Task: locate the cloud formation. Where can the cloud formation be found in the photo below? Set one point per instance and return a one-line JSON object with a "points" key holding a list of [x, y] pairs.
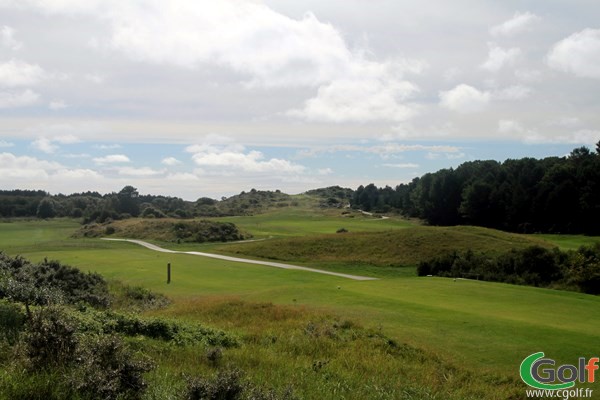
{"points": [[7, 38], [519, 23], [223, 155], [19, 73], [265, 48], [15, 99], [499, 58], [578, 54], [112, 159], [170, 161], [464, 99]]}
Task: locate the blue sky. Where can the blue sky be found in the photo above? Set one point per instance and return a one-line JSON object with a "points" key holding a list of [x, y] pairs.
{"points": [[209, 98]]}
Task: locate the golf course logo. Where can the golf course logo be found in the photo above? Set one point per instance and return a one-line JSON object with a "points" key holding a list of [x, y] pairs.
{"points": [[540, 373]]}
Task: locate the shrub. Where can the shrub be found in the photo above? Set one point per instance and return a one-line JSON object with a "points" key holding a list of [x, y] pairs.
{"points": [[226, 385], [12, 321], [144, 299], [50, 339], [108, 369]]}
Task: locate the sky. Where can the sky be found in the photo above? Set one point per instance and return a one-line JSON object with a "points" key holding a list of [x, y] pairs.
{"points": [[195, 98]]}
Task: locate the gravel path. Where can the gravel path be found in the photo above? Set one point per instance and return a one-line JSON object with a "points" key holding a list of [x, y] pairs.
{"points": [[243, 260]]}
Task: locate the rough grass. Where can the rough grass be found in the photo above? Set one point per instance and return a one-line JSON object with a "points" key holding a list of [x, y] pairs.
{"points": [[322, 356], [393, 248]]}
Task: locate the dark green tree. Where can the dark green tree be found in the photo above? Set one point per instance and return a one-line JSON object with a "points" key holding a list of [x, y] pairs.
{"points": [[128, 201], [46, 209]]}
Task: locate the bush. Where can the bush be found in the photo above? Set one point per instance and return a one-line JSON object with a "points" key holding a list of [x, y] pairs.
{"points": [[12, 322], [50, 282], [144, 299], [107, 369], [50, 340], [226, 385]]}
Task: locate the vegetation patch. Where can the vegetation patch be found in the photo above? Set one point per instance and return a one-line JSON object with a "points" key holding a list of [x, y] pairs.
{"points": [[166, 230]]}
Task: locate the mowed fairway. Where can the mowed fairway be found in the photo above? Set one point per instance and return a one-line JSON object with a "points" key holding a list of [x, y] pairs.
{"points": [[480, 326]]}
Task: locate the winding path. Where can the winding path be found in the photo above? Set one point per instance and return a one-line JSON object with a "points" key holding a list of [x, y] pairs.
{"points": [[243, 260]]}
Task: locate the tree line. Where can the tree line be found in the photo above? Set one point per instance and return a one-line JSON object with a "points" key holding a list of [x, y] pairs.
{"points": [[91, 206], [128, 202], [535, 266], [550, 195]]}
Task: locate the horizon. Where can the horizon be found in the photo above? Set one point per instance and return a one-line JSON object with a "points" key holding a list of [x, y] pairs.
{"points": [[206, 99], [245, 190]]}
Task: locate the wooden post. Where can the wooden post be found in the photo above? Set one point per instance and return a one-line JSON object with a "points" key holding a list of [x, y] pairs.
{"points": [[168, 272]]}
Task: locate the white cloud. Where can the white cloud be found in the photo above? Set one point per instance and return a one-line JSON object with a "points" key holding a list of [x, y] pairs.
{"points": [[464, 99], [361, 99], [77, 174], [48, 145], [582, 136], [324, 171], [499, 58], [519, 23], [112, 159], [18, 99], [403, 166], [511, 126], [578, 54], [170, 161], [19, 73], [4, 143], [515, 92], [137, 171], [223, 155], [26, 172], [12, 166], [45, 145], [107, 146], [448, 156], [57, 105], [80, 155], [386, 150], [7, 38], [66, 139], [252, 161]]}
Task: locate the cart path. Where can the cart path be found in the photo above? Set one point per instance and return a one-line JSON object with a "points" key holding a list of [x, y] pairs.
{"points": [[244, 260]]}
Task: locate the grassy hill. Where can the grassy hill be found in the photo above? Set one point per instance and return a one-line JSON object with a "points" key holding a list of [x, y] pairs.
{"points": [[391, 248]]}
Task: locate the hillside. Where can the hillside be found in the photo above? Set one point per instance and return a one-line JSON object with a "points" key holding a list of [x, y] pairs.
{"points": [[397, 248]]}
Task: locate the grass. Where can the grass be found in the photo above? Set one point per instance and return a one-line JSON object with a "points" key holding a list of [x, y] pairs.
{"points": [[568, 242], [305, 221], [455, 339]]}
